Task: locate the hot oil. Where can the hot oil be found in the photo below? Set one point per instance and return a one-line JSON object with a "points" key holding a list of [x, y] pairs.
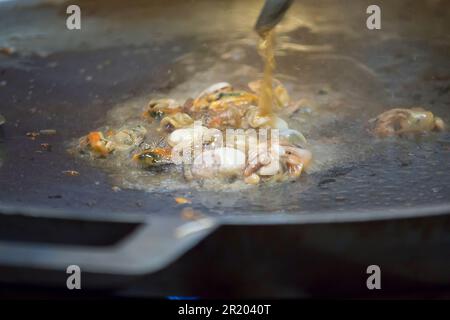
{"points": [[266, 48]]}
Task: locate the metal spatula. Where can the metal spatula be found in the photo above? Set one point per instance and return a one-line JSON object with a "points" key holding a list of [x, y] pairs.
{"points": [[272, 12]]}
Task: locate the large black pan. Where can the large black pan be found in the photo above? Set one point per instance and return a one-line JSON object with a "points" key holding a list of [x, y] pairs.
{"points": [[389, 205]]}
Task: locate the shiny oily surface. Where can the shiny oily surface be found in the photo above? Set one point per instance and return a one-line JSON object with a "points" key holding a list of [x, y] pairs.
{"points": [[343, 73]]}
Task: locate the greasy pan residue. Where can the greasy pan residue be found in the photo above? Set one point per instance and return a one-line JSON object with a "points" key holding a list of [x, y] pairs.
{"points": [[338, 74]]}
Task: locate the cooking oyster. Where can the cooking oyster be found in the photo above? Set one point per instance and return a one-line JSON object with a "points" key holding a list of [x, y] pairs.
{"points": [[400, 121]]}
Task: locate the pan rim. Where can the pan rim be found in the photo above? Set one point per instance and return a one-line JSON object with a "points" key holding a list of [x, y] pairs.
{"points": [[241, 217]]}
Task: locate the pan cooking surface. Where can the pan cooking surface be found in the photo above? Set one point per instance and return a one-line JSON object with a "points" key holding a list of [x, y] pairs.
{"points": [[347, 73]]}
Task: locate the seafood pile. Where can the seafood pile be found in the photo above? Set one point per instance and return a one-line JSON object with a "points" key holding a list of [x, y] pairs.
{"points": [[222, 134], [219, 134]]}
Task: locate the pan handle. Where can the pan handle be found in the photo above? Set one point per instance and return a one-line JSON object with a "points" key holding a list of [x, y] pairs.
{"points": [[150, 247]]}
